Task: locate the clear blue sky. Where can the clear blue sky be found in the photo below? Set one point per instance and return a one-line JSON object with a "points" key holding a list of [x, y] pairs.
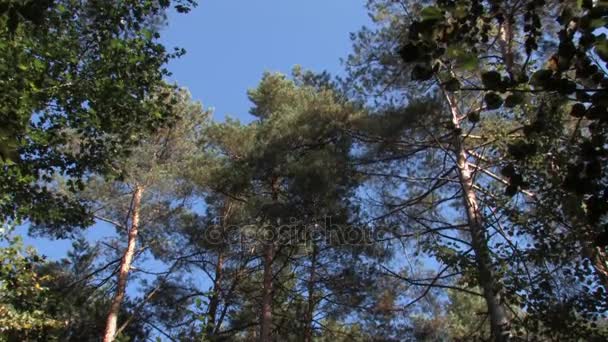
{"points": [[230, 43]]}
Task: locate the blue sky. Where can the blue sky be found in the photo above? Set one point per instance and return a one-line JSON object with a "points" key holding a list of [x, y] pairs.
{"points": [[231, 43]]}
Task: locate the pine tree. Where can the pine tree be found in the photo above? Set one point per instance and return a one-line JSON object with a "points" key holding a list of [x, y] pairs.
{"points": [[288, 168]]}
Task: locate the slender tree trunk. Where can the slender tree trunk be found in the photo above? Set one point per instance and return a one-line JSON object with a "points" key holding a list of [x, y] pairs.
{"points": [[212, 322], [266, 317], [506, 43], [499, 322], [125, 265], [310, 309], [227, 302], [265, 330], [215, 297]]}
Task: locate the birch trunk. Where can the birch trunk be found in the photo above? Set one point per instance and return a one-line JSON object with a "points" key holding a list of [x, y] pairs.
{"points": [[125, 266], [499, 322]]}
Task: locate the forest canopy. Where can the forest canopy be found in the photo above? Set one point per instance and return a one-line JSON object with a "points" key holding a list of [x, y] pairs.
{"points": [[449, 183]]}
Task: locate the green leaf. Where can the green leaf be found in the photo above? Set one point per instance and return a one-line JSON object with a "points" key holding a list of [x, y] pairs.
{"points": [[9, 150], [541, 78], [601, 47], [565, 17], [513, 100], [38, 65], [599, 22], [493, 101], [461, 11], [148, 34], [467, 60], [474, 116], [431, 13], [584, 4], [452, 84], [409, 53], [491, 80], [565, 86], [422, 73]]}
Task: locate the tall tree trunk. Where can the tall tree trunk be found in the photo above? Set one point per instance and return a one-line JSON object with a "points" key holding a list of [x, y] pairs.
{"points": [[125, 265], [227, 302], [210, 329], [266, 317], [212, 322], [499, 322], [265, 329], [310, 309], [506, 43]]}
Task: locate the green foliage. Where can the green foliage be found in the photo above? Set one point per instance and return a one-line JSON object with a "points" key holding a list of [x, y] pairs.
{"points": [[298, 139], [24, 300], [53, 301], [75, 93], [462, 319]]}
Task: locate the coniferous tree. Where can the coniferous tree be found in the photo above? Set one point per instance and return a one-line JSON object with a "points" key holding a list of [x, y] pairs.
{"points": [[288, 169]]}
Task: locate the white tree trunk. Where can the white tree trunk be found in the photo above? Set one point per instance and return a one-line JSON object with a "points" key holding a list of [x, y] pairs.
{"points": [[125, 265], [499, 322]]}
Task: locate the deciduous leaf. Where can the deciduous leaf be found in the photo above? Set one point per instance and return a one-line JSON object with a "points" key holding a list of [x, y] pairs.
{"points": [[431, 13], [493, 101]]}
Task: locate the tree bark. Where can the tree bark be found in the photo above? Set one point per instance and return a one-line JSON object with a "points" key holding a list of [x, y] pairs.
{"points": [[267, 287], [215, 297], [212, 322], [125, 266], [310, 309], [499, 322], [506, 43], [265, 330], [227, 302]]}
